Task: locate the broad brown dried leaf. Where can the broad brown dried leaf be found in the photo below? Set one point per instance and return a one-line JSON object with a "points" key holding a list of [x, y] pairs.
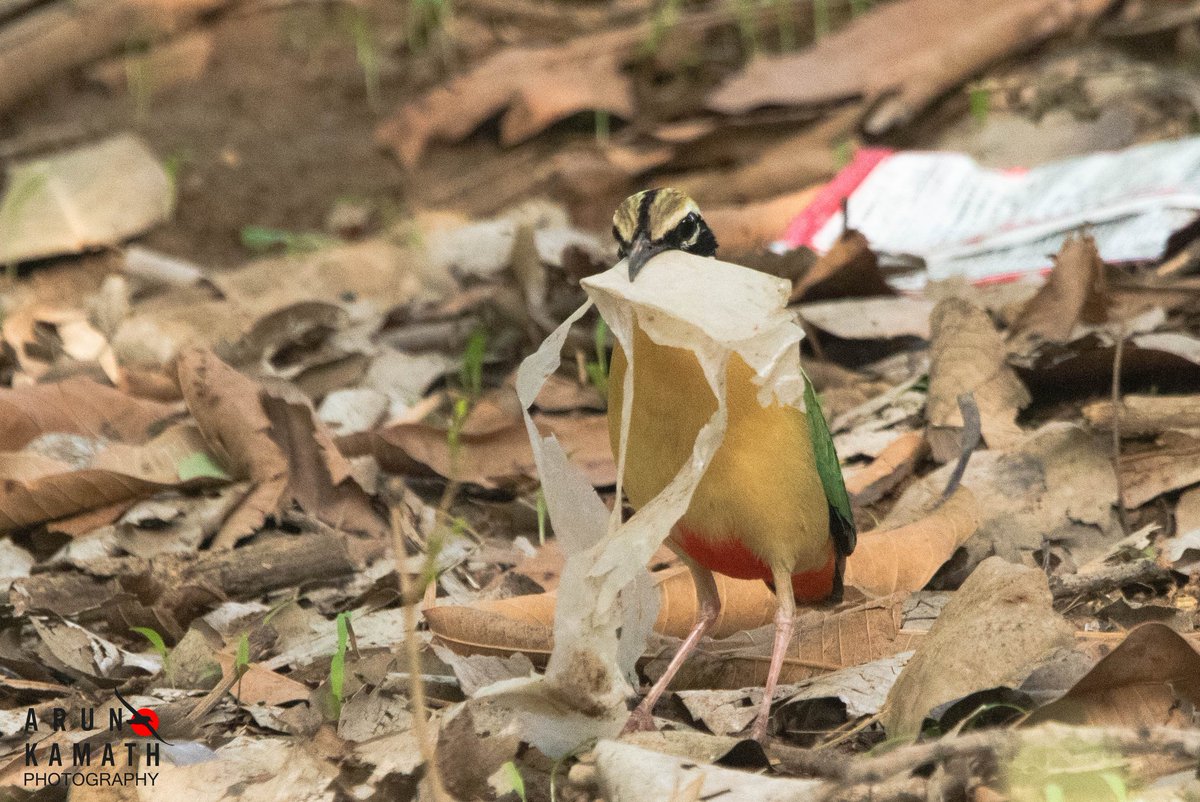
{"points": [[903, 55], [1075, 292], [227, 409], [850, 269], [992, 632], [825, 641], [76, 406], [1151, 679], [532, 87], [905, 559], [967, 355], [496, 455], [39, 488]]}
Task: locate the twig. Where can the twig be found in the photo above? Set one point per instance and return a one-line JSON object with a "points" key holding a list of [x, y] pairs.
{"points": [[1116, 429], [416, 681], [1146, 572], [1001, 745], [972, 434]]}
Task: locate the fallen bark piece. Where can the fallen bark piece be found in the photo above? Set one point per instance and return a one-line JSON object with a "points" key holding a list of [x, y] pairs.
{"points": [[1173, 463], [1146, 414], [903, 55], [991, 633], [91, 197]]}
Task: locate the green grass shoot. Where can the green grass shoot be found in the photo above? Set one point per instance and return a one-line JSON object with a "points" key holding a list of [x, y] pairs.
{"points": [[860, 7], [843, 152], [366, 51], [822, 21], [980, 100], [159, 645], [541, 517], [337, 666], [470, 373], [598, 371], [260, 239], [747, 26], [515, 780], [603, 126], [666, 15]]}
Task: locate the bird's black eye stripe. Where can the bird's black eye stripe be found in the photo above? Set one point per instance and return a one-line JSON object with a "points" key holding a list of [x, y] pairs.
{"points": [[622, 245]]}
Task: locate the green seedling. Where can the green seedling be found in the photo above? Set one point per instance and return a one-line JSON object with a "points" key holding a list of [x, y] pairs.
{"points": [[337, 666], [822, 21], [159, 645], [261, 239], [747, 24], [860, 7], [786, 24], [200, 465], [429, 22], [980, 100], [598, 371], [139, 78], [241, 662], [666, 15], [470, 373], [515, 780], [603, 126], [366, 51], [843, 153]]}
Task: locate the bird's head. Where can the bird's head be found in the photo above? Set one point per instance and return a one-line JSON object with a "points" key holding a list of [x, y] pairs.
{"points": [[658, 220]]}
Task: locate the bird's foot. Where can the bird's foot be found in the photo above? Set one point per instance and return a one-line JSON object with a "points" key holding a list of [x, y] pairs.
{"points": [[759, 731], [639, 721]]}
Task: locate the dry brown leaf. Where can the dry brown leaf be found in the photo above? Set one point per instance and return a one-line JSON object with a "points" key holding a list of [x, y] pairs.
{"points": [[849, 269], [1151, 679], [992, 632], [39, 488], [906, 558], [754, 226], [878, 318], [825, 641], [227, 409], [1174, 462], [907, 53], [496, 455], [532, 87], [320, 479], [1060, 480], [1075, 292], [893, 465], [1147, 414], [967, 355], [259, 685], [76, 406], [526, 623]]}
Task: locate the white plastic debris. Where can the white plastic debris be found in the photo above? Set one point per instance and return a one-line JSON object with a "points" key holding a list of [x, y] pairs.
{"points": [[606, 604], [987, 225]]}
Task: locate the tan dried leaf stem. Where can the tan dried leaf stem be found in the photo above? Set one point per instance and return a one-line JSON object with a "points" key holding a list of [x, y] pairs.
{"points": [[1118, 352], [416, 682]]}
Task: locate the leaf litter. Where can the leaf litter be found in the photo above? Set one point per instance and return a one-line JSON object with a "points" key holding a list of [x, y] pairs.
{"points": [[203, 467]]}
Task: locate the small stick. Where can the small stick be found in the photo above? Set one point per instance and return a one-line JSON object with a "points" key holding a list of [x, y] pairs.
{"points": [[1110, 578], [1116, 429]]}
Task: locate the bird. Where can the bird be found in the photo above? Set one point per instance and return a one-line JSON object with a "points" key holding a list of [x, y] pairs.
{"points": [[772, 503]]}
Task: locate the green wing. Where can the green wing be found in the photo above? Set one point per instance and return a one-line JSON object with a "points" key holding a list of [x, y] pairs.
{"points": [[841, 519]]}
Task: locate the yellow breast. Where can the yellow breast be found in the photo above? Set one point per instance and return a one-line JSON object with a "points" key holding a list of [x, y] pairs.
{"points": [[762, 486]]}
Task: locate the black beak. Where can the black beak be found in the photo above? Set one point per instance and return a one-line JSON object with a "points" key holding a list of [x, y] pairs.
{"points": [[643, 251]]}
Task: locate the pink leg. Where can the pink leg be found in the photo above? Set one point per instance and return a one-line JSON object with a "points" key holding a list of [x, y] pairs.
{"points": [[642, 718], [785, 618]]}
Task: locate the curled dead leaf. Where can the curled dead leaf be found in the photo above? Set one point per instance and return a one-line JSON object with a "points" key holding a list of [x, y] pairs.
{"points": [[906, 558]]}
